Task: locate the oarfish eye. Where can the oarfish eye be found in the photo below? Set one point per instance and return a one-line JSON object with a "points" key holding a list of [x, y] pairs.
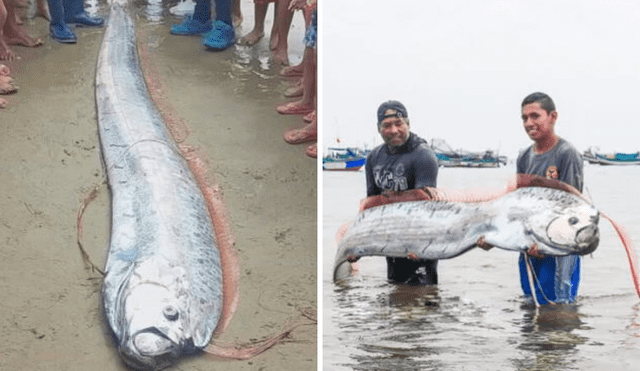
{"points": [[170, 313], [573, 220]]}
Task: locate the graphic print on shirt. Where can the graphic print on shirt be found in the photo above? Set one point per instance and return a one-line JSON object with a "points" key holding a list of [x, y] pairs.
{"points": [[391, 179], [552, 172]]}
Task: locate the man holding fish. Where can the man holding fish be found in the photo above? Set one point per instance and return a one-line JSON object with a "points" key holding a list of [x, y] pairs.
{"points": [[556, 278], [403, 162], [559, 276]]}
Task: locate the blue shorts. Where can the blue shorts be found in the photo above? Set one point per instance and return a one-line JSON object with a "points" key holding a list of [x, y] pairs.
{"points": [[311, 37], [559, 278]]}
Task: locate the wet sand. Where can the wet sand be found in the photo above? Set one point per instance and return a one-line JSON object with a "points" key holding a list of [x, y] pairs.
{"points": [[51, 308]]}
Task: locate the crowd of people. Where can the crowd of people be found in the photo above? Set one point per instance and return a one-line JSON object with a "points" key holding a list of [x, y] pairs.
{"points": [[305, 83], [217, 33]]}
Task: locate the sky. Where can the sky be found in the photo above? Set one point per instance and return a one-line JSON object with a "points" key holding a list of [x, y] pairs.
{"points": [[462, 68]]}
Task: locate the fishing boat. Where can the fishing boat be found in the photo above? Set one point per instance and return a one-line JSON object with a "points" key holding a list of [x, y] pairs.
{"points": [[615, 158], [447, 157], [344, 159]]}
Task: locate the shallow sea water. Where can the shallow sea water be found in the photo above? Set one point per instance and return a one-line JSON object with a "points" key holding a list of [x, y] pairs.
{"points": [[475, 319]]}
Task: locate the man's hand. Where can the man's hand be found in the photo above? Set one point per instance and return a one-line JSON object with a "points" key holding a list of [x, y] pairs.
{"points": [[483, 244], [533, 251]]}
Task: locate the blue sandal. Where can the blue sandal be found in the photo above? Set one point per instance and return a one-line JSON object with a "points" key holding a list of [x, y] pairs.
{"points": [[191, 26], [62, 33], [220, 38]]}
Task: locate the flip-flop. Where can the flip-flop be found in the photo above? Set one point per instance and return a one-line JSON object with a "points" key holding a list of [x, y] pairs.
{"points": [[310, 116], [312, 151], [291, 71], [297, 136], [4, 70], [293, 108], [295, 91]]}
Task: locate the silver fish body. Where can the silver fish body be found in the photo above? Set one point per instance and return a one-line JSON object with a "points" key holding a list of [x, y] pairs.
{"points": [[560, 223], [162, 288]]}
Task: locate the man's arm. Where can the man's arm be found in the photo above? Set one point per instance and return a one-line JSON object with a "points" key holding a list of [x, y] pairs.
{"points": [[426, 168], [371, 182], [572, 172]]}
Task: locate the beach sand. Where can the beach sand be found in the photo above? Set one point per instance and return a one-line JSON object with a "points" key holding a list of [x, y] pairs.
{"points": [[51, 308]]}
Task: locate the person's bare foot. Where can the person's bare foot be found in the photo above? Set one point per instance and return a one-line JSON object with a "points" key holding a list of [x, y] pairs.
{"points": [[25, 40], [252, 37], [294, 108], [3, 103], [281, 56], [311, 117], [15, 35], [7, 86], [312, 151], [43, 9], [6, 54], [295, 91], [4, 70], [307, 133], [292, 71]]}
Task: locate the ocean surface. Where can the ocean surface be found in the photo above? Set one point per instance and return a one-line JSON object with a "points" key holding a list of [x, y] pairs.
{"points": [[475, 319]]}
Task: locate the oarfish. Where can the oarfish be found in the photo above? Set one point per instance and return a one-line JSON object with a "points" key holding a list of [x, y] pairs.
{"points": [[162, 288], [559, 222]]}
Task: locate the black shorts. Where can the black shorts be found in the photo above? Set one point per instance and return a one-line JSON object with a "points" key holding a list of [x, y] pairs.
{"points": [[412, 272]]}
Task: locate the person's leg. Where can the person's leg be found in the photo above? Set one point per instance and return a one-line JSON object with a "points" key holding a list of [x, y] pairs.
{"points": [[400, 270], [202, 11], [280, 32], [412, 272], [14, 34], [42, 9], [309, 79], [5, 51], [58, 28], [74, 13], [222, 35], [428, 273], [237, 13], [307, 103], [258, 26]]}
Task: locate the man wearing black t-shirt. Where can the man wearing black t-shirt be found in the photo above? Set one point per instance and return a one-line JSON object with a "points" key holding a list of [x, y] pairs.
{"points": [[403, 162]]}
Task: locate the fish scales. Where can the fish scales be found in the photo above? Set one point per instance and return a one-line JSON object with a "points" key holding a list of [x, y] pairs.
{"points": [[559, 222], [163, 276]]}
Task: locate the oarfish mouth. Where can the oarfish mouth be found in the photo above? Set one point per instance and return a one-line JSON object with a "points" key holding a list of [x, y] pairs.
{"points": [[588, 239], [149, 349]]}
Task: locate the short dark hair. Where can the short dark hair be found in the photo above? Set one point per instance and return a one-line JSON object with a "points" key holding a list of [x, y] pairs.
{"points": [[545, 101]]}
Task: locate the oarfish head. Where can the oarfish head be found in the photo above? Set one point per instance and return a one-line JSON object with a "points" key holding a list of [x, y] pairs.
{"points": [[155, 329], [567, 230]]}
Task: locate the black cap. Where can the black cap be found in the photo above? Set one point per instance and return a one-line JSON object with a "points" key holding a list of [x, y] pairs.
{"points": [[401, 110]]}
